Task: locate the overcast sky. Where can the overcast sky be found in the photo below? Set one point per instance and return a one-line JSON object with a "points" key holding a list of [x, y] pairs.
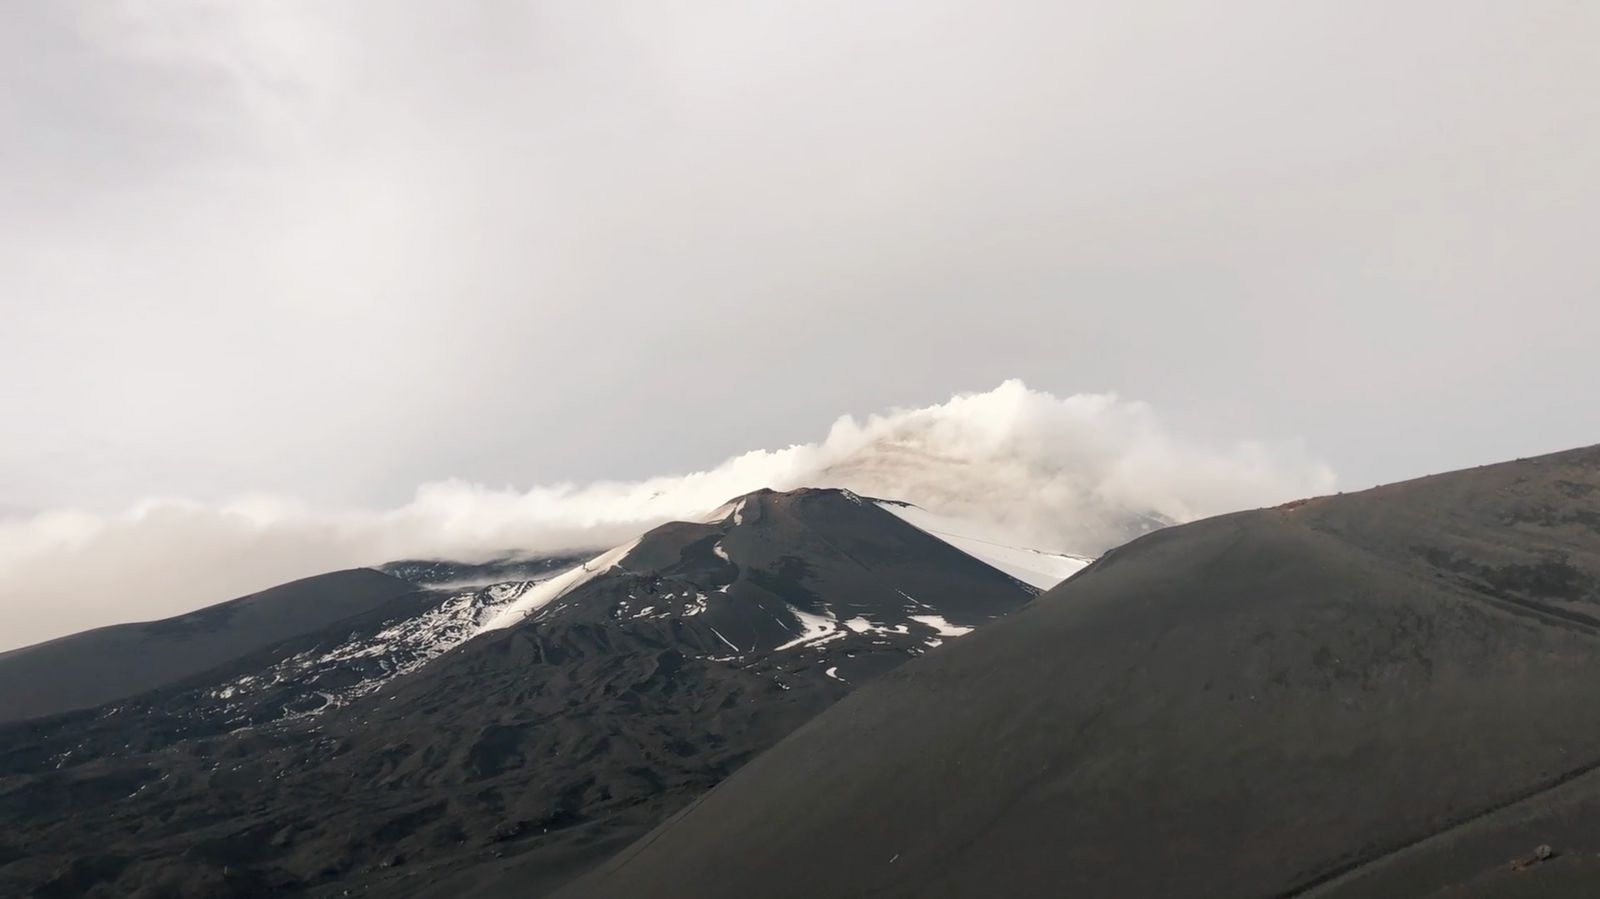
{"points": [[332, 251]]}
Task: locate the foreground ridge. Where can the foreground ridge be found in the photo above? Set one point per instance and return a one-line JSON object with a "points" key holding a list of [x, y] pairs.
{"points": [[1368, 694]]}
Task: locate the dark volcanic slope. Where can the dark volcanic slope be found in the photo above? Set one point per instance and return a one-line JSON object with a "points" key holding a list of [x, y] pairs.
{"points": [[808, 571], [506, 762], [108, 663], [1393, 693]]}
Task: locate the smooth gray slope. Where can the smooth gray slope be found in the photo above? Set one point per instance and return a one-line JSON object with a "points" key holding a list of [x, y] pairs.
{"points": [[1390, 693], [110, 663]]}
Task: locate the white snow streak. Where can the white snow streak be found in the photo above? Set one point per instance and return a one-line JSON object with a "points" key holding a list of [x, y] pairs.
{"points": [[395, 651], [547, 592], [725, 640]]}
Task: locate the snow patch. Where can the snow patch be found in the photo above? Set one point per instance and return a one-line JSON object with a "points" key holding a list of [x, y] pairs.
{"points": [[553, 589], [861, 625], [818, 629], [1034, 567], [943, 627], [397, 650]]}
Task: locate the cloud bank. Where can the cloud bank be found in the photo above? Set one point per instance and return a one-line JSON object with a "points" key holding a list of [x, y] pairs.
{"points": [[1075, 474]]}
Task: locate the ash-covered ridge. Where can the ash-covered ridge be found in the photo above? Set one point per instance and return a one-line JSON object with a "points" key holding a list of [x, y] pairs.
{"points": [[819, 571], [810, 570], [493, 739], [1374, 694]]}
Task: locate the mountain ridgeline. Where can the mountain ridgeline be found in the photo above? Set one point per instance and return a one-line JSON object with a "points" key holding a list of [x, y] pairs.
{"points": [[1390, 693], [1387, 693], [94, 667], [486, 740]]}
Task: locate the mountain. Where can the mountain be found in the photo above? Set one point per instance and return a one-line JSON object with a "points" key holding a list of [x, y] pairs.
{"points": [[1389, 693], [94, 667], [491, 740]]}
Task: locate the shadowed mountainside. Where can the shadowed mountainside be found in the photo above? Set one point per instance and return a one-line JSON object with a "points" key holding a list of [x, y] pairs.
{"points": [[1384, 693], [492, 742], [109, 663]]}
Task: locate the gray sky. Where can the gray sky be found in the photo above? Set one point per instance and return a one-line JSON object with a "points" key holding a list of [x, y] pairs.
{"points": [[335, 250]]}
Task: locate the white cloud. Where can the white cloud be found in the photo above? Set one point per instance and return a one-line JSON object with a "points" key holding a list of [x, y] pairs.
{"points": [[1077, 474]]}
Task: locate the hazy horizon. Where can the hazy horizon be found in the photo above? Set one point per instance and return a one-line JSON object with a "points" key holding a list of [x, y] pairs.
{"points": [[1075, 474], [291, 285]]}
